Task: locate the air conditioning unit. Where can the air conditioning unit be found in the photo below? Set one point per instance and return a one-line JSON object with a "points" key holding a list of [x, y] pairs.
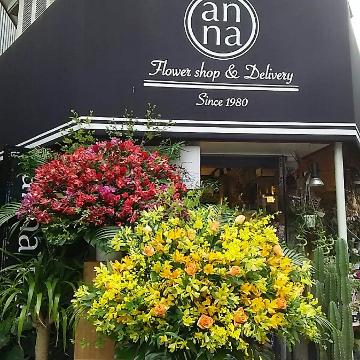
{"points": [[29, 11]]}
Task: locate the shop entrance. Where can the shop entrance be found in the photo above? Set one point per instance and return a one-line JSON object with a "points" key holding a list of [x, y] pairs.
{"points": [[247, 182]]}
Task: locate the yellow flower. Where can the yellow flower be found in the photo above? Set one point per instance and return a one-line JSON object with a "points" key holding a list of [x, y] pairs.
{"points": [[191, 234], [208, 269], [277, 250], [258, 304], [229, 285], [175, 274], [246, 288], [276, 320], [166, 271], [198, 223]]}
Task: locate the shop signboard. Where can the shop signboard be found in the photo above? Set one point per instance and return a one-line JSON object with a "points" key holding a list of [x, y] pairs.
{"points": [[23, 239], [270, 68]]}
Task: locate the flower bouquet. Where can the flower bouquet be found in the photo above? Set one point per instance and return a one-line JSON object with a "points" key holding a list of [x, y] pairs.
{"points": [[105, 184], [200, 285]]}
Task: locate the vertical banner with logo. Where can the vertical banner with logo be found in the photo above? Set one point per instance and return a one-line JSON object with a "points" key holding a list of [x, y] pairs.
{"points": [[13, 187]]}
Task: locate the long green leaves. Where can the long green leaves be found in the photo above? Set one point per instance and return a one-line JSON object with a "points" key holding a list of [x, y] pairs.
{"points": [[38, 291]]}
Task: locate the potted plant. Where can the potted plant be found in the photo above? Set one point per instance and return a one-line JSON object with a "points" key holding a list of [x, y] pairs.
{"points": [[36, 292]]}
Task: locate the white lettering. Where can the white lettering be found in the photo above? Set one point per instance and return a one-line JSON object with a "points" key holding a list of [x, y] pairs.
{"points": [[204, 100], [236, 36], [214, 12], [27, 246], [268, 74], [206, 34], [162, 69], [226, 11]]}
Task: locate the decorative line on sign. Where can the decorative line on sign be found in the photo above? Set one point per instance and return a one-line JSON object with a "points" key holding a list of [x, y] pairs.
{"points": [[219, 86]]}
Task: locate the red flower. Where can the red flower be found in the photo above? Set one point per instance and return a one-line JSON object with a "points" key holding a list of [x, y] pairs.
{"points": [[108, 183]]}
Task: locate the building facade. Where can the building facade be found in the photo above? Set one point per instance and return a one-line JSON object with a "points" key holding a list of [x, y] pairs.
{"points": [[7, 30], [263, 93]]}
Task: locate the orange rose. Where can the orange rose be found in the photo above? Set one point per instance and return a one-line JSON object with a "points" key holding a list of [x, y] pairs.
{"points": [[191, 269], [205, 322], [235, 270], [149, 250], [240, 317], [214, 226], [281, 303], [159, 310], [240, 219], [278, 250]]}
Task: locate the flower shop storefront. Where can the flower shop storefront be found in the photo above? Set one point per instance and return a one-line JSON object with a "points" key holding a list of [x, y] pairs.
{"points": [[213, 154]]}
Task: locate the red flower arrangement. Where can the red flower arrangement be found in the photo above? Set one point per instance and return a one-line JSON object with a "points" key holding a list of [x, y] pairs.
{"points": [[108, 183]]}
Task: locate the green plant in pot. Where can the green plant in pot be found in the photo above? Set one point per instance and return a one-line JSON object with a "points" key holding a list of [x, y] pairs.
{"points": [[36, 292]]}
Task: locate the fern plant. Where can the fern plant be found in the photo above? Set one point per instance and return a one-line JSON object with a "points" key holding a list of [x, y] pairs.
{"points": [[8, 212]]}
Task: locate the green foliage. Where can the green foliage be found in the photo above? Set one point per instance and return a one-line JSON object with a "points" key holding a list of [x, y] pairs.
{"points": [[296, 257], [100, 238], [63, 231], [308, 227], [34, 158], [8, 212], [334, 291], [172, 150], [150, 351], [79, 135], [37, 292]]}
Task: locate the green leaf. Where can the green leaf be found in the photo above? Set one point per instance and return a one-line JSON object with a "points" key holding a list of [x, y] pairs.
{"points": [[16, 353], [4, 340], [64, 324], [125, 353], [30, 292], [50, 291], [7, 212], [55, 313], [101, 237], [22, 318], [38, 304], [9, 301], [156, 356]]}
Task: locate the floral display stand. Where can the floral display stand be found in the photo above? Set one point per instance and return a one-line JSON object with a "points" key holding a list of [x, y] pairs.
{"points": [[87, 345]]}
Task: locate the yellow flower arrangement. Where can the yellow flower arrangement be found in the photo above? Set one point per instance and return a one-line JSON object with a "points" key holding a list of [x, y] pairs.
{"points": [[201, 281]]}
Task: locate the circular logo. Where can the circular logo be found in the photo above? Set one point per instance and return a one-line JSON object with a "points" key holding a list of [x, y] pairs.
{"points": [[221, 29]]}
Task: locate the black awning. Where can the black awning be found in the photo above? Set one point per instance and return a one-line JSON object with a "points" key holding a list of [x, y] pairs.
{"points": [[257, 63]]}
